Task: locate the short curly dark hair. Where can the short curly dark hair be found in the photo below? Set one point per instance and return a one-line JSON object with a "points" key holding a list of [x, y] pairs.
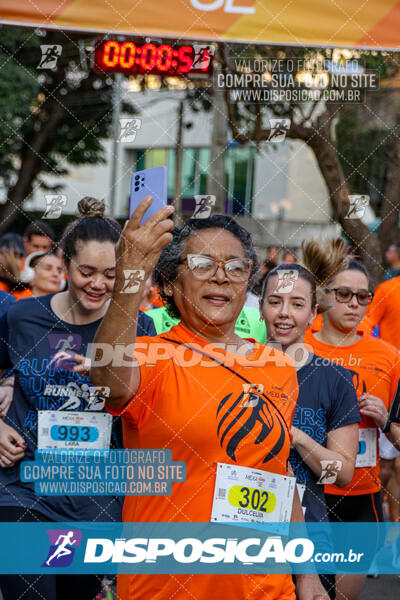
{"points": [[171, 256]]}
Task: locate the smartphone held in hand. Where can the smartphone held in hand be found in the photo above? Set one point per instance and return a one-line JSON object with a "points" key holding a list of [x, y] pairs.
{"points": [[149, 182]]}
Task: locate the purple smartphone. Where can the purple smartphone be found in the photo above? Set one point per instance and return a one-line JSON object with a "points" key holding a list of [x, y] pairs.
{"points": [[150, 182]]}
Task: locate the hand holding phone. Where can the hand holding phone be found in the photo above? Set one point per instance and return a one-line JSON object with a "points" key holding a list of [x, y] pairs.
{"points": [[139, 246], [150, 182]]}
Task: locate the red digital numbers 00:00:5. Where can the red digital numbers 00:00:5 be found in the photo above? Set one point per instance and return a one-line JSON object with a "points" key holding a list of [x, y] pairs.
{"points": [[128, 57]]}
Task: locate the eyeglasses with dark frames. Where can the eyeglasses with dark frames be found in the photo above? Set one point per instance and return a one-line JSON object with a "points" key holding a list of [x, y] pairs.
{"points": [[203, 267], [345, 295]]}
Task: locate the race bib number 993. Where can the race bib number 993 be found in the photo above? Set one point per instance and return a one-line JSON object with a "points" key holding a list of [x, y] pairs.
{"points": [[72, 429]]}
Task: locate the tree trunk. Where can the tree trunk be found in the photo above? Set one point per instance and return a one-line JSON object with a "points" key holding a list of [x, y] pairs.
{"points": [[359, 235], [388, 231], [30, 167], [318, 137]]}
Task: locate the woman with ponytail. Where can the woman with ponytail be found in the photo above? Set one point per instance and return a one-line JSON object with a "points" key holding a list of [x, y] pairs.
{"points": [[374, 366], [44, 340], [325, 424]]}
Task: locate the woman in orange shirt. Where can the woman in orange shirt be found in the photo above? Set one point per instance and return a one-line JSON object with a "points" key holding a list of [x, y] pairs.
{"points": [[374, 365], [197, 409]]}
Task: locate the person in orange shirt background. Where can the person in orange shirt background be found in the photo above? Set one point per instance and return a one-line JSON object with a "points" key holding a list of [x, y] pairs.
{"points": [[374, 365], [384, 312], [151, 296], [196, 409]]}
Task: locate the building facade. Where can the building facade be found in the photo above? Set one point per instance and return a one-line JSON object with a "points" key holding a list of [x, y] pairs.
{"points": [[276, 190]]}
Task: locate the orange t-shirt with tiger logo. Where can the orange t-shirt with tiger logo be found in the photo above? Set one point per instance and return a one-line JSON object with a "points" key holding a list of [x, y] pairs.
{"points": [[197, 411]]}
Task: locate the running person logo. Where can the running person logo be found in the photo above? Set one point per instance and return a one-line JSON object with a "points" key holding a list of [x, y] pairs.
{"points": [[357, 206], [278, 130], [128, 129], [50, 55], [133, 281], [77, 394], [204, 206], [202, 56], [54, 205], [64, 342], [252, 393], [62, 349], [62, 547], [286, 280], [330, 470], [237, 421]]}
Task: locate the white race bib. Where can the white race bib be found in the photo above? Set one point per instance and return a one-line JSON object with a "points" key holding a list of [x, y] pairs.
{"points": [[246, 495], [73, 430], [366, 452]]}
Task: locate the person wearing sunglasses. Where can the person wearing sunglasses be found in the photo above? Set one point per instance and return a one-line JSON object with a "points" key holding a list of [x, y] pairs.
{"points": [[210, 397], [374, 365]]}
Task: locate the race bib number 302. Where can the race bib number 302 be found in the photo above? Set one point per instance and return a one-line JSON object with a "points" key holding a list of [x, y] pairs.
{"points": [[248, 495]]}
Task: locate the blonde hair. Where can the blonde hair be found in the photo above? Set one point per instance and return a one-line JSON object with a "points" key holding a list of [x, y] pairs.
{"points": [[324, 261]]}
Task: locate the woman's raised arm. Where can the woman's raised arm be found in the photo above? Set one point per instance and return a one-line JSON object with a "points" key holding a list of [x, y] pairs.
{"points": [[137, 253]]}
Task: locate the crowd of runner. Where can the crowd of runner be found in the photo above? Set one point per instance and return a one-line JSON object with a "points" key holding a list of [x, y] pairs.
{"points": [[318, 407]]}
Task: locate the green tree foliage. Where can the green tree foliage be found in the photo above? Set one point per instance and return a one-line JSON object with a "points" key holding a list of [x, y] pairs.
{"points": [[356, 146], [363, 155], [50, 118]]}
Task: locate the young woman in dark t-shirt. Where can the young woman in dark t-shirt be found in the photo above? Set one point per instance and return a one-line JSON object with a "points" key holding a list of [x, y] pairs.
{"points": [[325, 425], [35, 335]]}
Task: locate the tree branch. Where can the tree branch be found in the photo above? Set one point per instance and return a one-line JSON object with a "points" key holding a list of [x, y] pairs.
{"points": [[358, 233], [31, 160]]}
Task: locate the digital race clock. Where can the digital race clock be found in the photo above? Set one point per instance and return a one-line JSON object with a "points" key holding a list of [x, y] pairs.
{"points": [[132, 58]]}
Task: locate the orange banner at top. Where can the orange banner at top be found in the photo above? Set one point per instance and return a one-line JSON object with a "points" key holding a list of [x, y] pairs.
{"points": [[335, 23]]}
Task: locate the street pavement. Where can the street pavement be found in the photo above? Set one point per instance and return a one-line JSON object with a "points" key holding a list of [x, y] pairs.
{"points": [[384, 587]]}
